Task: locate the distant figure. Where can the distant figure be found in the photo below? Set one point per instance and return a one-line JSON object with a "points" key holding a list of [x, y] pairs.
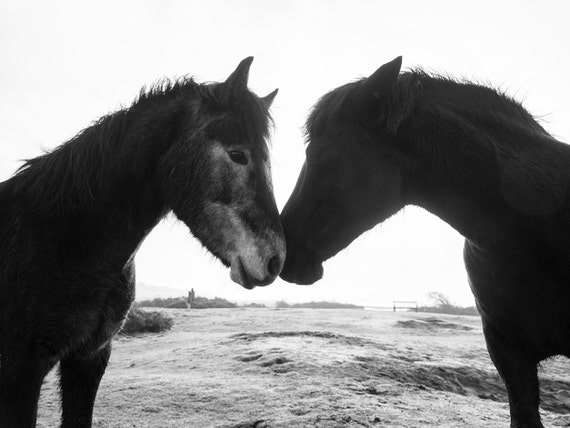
{"points": [[191, 297]]}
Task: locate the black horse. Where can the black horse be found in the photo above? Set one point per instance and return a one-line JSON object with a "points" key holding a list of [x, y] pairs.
{"points": [[473, 157], [72, 220]]}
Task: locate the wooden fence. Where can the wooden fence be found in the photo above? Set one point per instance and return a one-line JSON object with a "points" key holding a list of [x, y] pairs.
{"points": [[405, 304]]}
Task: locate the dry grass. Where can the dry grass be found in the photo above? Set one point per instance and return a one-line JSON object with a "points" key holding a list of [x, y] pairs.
{"points": [[309, 368]]}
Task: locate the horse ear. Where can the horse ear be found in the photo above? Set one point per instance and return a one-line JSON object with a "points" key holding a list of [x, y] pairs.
{"points": [[268, 99], [382, 80], [237, 81]]}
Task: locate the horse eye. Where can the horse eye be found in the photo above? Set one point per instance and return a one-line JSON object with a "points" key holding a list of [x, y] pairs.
{"points": [[238, 157]]}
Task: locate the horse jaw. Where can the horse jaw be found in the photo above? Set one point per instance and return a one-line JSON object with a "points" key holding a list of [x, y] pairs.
{"points": [[255, 259]]}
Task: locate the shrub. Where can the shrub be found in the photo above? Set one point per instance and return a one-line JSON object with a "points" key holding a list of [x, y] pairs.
{"points": [[180, 304], [442, 305], [282, 304], [216, 302], [254, 305], [159, 302], [140, 321]]}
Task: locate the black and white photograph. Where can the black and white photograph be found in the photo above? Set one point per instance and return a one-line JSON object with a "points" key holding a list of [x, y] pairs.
{"points": [[284, 214]]}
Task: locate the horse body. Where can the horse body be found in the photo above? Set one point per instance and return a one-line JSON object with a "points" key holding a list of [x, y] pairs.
{"points": [[509, 195], [72, 220], [476, 159], [72, 292]]}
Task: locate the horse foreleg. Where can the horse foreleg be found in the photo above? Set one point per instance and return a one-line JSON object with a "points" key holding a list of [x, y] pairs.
{"points": [[79, 379], [519, 372], [20, 386]]}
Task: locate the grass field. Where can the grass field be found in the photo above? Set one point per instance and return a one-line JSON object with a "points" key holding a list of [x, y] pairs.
{"points": [[309, 368]]}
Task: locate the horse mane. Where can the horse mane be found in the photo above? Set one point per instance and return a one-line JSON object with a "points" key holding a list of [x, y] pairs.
{"points": [[73, 175], [412, 87], [69, 175], [481, 101]]}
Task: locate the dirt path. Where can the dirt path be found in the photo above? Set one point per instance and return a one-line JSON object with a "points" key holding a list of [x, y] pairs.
{"points": [[309, 368]]}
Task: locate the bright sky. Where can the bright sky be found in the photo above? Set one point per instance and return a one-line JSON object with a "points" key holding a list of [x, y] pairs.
{"points": [[63, 64]]}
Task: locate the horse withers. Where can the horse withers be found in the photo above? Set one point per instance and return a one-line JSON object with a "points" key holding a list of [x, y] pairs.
{"points": [[72, 220], [475, 158]]}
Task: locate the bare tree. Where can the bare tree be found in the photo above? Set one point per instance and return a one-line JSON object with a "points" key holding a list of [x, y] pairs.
{"points": [[439, 299]]}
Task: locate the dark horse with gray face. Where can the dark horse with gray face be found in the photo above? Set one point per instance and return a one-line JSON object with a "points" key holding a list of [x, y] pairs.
{"points": [[71, 222], [473, 157]]}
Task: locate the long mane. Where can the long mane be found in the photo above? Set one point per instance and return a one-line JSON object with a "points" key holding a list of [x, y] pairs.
{"points": [[74, 173], [118, 146], [479, 101]]}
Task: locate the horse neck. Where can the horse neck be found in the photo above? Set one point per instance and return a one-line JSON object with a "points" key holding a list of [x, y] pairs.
{"points": [[134, 184], [108, 194], [460, 173]]}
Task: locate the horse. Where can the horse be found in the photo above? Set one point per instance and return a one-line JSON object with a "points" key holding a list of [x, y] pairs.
{"points": [[475, 158], [71, 221]]}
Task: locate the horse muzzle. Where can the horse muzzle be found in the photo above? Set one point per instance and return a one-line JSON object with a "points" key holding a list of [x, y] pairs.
{"points": [[259, 272], [301, 267]]}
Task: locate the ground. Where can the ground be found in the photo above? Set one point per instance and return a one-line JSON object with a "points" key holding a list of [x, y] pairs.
{"points": [[309, 368]]}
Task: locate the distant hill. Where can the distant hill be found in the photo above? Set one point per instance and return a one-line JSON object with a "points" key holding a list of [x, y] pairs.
{"points": [[317, 305], [148, 292]]}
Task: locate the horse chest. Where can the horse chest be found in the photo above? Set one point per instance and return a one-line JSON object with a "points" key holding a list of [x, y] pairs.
{"points": [[112, 312], [89, 310], [524, 299]]}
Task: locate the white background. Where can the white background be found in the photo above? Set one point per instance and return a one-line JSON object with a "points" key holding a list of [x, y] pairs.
{"points": [[63, 64]]}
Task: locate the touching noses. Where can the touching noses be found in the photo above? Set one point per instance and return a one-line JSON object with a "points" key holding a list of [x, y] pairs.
{"points": [[274, 266]]}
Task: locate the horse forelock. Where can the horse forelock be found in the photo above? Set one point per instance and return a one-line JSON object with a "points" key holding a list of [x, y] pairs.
{"points": [[242, 119], [241, 111]]}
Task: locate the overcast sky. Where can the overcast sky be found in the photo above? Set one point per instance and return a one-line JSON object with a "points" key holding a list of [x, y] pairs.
{"points": [[63, 64]]}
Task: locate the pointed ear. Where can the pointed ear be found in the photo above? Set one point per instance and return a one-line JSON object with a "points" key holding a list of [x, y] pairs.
{"points": [[237, 81], [381, 82], [268, 99]]}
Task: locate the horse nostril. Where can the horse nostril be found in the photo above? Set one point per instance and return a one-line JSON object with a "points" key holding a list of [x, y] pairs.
{"points": [[273, 266]]}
